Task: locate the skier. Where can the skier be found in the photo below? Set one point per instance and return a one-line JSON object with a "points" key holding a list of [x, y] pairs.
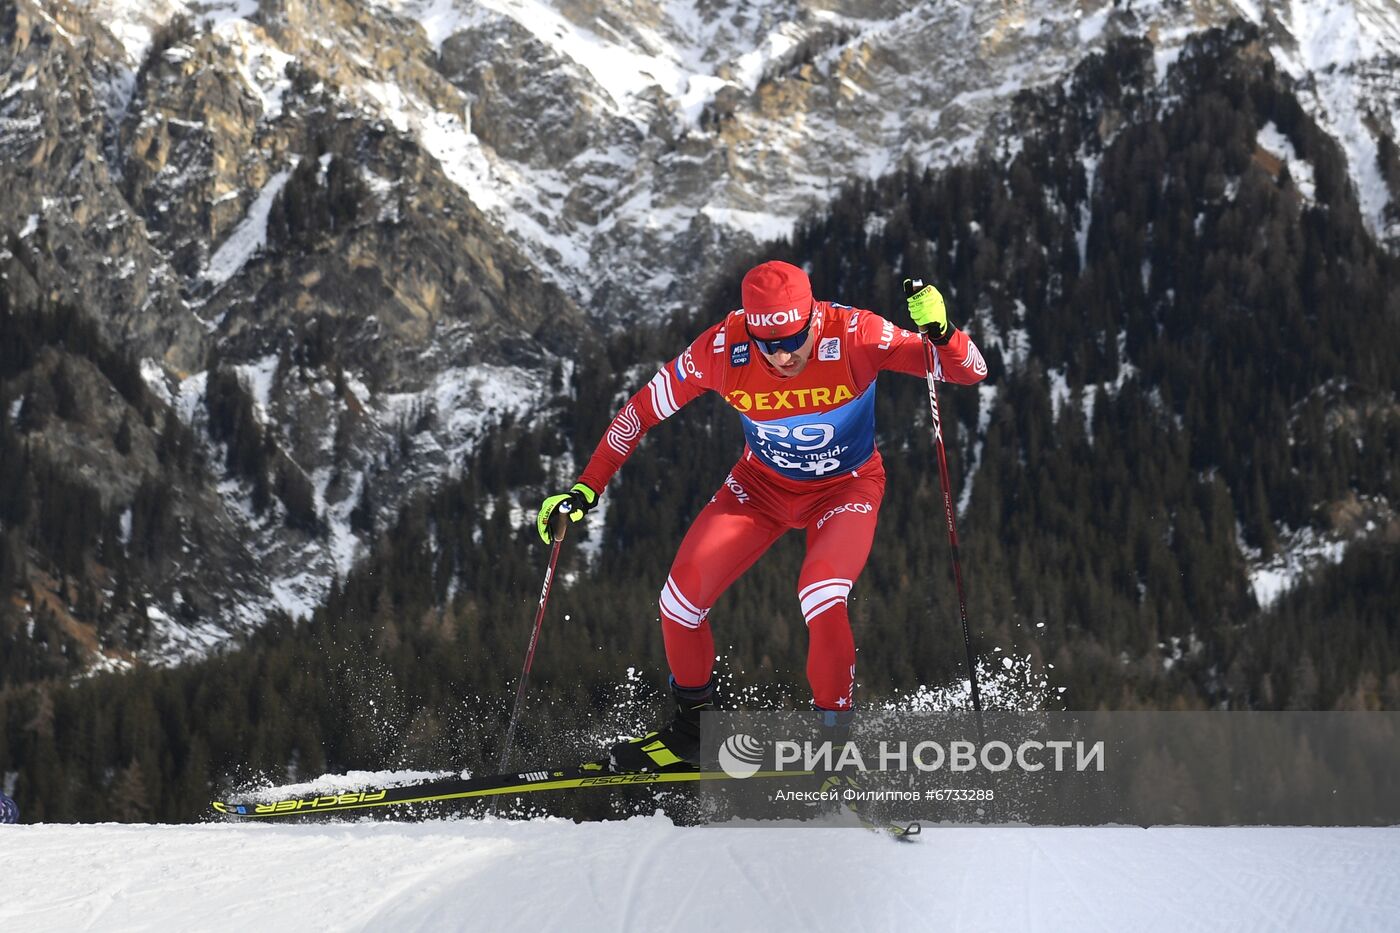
{"points": [[801, 373]]}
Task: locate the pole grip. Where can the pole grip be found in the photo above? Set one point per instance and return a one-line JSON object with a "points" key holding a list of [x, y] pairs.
{"points": [[559, 521], [911, 287]]}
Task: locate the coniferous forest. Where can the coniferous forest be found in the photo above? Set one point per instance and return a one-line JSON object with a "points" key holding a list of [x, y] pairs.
{"points": [[1210, 369]]}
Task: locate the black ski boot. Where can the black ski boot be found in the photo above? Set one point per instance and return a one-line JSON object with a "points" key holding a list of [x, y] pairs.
{"points": [[678, 744], [834, 782]]}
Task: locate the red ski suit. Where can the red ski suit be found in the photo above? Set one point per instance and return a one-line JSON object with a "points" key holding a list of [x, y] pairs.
{"points": [[809, 462]]}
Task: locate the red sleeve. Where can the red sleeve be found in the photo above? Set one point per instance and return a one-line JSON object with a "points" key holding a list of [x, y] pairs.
{"points": [[880, 345], [676, 384], [958, 361]]}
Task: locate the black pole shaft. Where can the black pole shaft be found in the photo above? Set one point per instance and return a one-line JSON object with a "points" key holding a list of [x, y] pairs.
{"points": [[951, 516], [558, 535]]}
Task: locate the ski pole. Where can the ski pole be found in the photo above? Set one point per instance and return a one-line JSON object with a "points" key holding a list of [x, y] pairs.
{"points": [[910, 287], [559, 524]]}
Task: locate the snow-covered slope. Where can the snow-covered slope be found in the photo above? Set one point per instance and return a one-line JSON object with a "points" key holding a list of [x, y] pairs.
{"points": [[646, 874], [1343, 55]]}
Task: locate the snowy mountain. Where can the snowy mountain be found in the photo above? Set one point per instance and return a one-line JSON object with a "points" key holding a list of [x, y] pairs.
{"points": [[388, 220], [625, 146], [645, 873]]}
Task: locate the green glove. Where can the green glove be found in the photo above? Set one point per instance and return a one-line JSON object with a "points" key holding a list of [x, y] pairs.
{"points": [[580, 499], [928, 311]]}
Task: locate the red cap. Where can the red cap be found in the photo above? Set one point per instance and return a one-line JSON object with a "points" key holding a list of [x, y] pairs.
{"points": [[777, 300]]}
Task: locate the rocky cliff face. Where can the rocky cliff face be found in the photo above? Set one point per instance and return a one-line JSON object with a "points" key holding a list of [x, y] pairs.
{"points": [[390, 219], [216, 204]]}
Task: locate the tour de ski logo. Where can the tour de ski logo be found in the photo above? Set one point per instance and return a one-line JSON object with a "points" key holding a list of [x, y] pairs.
{"points": [[741, 755], [830, 349]]}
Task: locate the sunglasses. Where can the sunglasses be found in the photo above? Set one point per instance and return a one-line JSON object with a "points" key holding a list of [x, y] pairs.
{"points": [[788, 344]]}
